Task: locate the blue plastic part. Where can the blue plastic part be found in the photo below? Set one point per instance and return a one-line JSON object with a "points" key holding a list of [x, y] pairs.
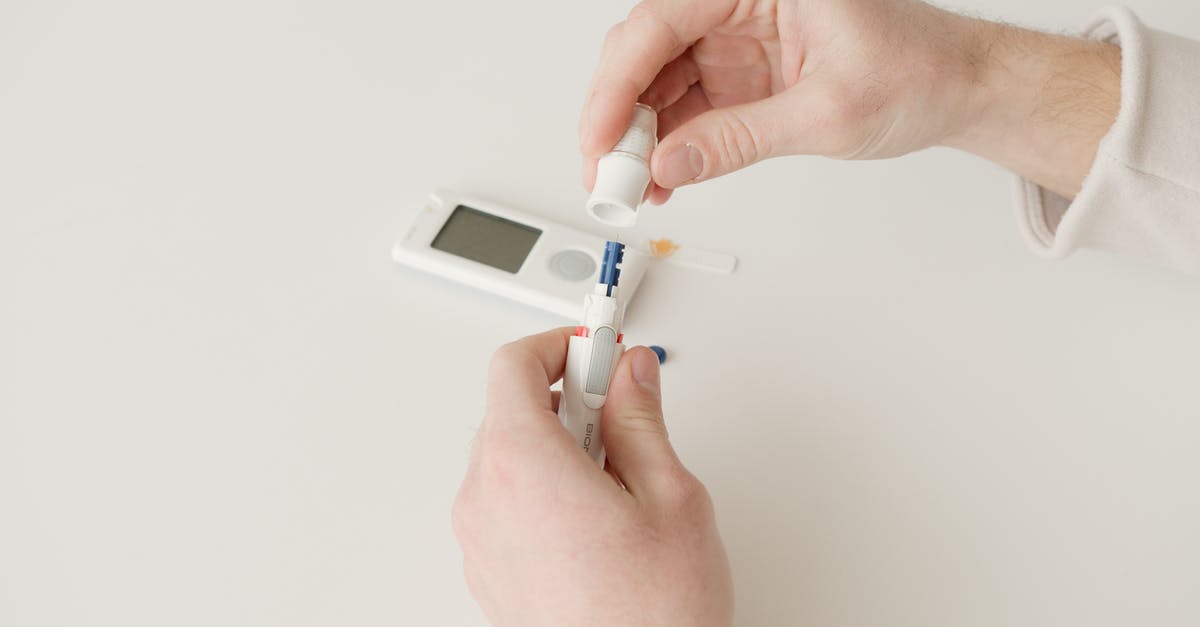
{"points": [[610, 274], [660, 351]]}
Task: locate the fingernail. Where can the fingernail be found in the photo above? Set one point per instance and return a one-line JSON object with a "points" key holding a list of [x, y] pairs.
{"points": [[645, 371], [681, 165]]}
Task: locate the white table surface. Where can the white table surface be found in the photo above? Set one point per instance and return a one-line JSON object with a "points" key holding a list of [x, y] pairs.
{"points": [[221, 403]]}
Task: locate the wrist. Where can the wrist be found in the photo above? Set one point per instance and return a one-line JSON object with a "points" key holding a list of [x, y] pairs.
{"points": [[1011, 66], [983, 89], [1039, 104]]}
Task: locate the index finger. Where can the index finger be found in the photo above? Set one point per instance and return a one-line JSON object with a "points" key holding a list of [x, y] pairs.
{"points": [[521, 373], [634, 52]]}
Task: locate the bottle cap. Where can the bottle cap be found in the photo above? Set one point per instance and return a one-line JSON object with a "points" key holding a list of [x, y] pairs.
{"points": [[623, 174]]}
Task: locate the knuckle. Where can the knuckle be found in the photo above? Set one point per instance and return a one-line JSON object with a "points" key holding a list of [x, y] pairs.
{"points": [[641, 419], [682, 492], [841, 116], [873, 95], [461, 517], [854, 135], [613, 35], [639, 11], [848, 104], [837, 108], [740, 142], [839, 122], [644, 12], [505, 359], [505, 354]]}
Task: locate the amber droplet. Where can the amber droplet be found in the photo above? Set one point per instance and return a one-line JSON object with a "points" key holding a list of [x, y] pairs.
{"points": [[662, 248]]}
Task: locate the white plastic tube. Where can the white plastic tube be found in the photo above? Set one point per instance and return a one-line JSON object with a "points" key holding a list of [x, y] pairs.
{"points": [[578, 411], [592, 357]]}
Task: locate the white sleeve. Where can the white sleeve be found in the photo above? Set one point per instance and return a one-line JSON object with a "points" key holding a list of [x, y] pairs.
{"points": [[1142, 195]]}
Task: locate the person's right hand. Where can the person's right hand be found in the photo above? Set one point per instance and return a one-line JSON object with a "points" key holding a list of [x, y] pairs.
{"points": [[739, 81]]}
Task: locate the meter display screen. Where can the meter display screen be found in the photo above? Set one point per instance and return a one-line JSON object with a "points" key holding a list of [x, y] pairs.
{"points": [[486, 238]]}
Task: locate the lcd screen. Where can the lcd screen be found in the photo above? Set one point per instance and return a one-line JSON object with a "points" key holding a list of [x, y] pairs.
{"points": [[486, 238]]}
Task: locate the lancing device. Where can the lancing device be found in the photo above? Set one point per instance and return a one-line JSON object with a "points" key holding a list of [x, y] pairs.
{"points": [[592, 357], [622, 176]]}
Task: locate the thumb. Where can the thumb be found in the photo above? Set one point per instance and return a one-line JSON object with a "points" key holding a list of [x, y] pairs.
{"points": [[720, 141], [635, 436]]}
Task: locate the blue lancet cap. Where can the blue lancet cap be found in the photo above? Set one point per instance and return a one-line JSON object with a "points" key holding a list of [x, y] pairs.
{"points": [[610, 273]]}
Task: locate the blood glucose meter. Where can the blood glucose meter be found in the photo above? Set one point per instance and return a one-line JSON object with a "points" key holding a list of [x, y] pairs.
{"points": [[510, 253]]}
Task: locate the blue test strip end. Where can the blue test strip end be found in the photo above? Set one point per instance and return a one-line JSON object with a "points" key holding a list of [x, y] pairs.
{"points": [[610, 274], [660, 351]]}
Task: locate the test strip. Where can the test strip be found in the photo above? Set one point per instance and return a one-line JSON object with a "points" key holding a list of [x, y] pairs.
{"points": [[692, 257]]}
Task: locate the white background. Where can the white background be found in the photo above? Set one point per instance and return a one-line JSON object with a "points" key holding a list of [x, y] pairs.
{"points": [[222, 404]]}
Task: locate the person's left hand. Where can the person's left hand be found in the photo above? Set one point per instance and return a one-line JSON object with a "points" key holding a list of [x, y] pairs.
{"points": [[549, 538]]}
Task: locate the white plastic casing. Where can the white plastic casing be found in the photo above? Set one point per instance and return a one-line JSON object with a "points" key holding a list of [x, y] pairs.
{"points": [[591, 363], [623, 174], [535, 283], [581, 420]]}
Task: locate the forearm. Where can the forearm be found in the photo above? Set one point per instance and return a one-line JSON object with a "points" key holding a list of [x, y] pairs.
{"points": [[1040, 103]]}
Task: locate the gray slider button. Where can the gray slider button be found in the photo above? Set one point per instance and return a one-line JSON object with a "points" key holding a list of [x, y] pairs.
{"points": [[604, 344]]}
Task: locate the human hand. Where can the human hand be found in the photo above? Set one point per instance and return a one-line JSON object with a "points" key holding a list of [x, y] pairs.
{"points": [[739, 81], [549, 538]]}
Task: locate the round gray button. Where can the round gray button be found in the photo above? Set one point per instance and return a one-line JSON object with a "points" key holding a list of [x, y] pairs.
{"points": [[573, 265]]}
